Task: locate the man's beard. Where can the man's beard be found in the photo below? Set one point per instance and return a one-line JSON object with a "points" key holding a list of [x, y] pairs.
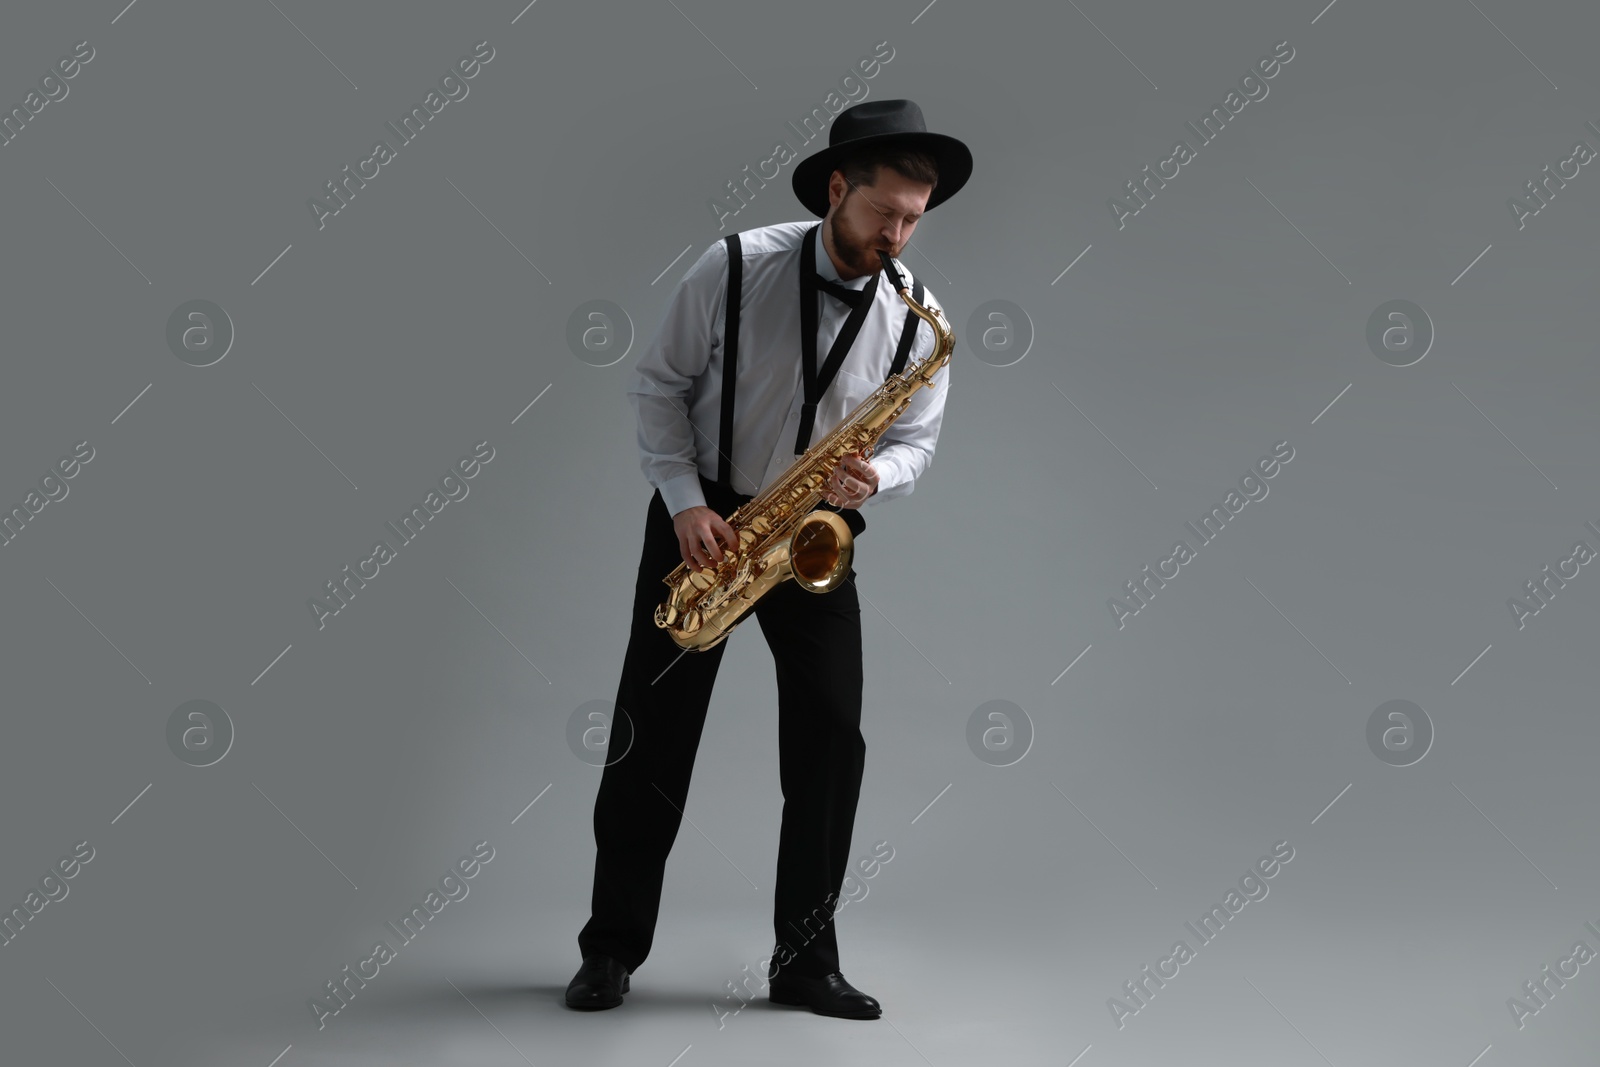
{"points": [[857, 252]]}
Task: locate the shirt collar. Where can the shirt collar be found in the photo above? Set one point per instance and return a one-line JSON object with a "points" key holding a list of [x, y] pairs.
{"points": [[826, 269]]}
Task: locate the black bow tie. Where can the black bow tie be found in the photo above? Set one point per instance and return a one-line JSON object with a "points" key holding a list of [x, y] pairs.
{"points": [[843, 292]]}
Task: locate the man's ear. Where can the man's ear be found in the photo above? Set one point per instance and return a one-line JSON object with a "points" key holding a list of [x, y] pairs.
{"points": [[838, 189]]}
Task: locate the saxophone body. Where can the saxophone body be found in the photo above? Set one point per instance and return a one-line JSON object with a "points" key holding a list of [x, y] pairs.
{"points": [[782, 532]]}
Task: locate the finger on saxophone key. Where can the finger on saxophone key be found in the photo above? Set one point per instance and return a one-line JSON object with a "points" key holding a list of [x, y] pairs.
{"points": [[728, 535]]}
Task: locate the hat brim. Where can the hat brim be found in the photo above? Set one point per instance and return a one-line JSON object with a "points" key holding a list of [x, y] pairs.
{"points": [[954, 159]]}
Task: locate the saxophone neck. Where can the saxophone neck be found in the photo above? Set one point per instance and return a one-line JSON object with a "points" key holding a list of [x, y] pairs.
{"points": [[944, 337]]}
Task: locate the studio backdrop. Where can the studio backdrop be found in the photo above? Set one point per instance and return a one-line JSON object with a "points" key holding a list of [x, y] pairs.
{"points": [[1229, 674]]}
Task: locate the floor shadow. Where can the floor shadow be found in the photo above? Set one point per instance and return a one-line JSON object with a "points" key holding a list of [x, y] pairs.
{"points": [[450, 995]]}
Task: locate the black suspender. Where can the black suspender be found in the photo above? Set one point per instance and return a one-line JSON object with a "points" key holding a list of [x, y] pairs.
{"points": [[730, 349], [730, 357]]}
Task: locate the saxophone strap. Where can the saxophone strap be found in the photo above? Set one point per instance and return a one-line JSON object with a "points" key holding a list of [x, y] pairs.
{"points": [[808, 343], [814, 384]]}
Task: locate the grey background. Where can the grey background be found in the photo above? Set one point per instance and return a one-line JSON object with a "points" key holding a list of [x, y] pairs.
{"points": [[1226, 316]]}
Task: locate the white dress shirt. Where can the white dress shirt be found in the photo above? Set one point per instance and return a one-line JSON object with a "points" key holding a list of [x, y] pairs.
{"points": [[682, 366]]}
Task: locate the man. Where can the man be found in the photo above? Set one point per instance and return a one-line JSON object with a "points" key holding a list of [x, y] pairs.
{"points": [[728, 393]]}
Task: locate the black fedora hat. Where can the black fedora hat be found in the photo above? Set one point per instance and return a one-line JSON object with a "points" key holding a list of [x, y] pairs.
{"points": [[880, 123]]}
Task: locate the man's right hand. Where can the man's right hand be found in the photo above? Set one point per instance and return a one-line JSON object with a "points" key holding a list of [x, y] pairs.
{"points": [[699, 530]]}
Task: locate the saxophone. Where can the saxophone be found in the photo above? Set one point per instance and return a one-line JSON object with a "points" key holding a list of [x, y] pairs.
{"points": [[782, 533]]}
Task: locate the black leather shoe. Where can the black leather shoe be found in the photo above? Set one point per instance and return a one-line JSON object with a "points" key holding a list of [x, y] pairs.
{"points": [[599, 983], [831, 995]]}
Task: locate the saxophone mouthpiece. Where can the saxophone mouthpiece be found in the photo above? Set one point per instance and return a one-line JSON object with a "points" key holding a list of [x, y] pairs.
{"points": [[890, 269]]}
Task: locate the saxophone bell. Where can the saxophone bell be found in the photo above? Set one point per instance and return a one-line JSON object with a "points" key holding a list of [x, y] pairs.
{"points": [[820, 552]]}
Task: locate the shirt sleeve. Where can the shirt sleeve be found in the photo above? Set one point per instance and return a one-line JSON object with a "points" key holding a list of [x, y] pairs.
{"points": [[905, 451], [662, 381]]}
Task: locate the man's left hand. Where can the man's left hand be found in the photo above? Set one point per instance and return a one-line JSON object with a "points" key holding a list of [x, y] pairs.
{"points": [[852, 482]]}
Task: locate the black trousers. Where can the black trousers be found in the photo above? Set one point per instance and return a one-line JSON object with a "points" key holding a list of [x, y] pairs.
{"points": [[815, 640]]}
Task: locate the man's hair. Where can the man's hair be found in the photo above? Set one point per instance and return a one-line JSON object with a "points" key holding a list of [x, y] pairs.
{"points": [[862, 167]]}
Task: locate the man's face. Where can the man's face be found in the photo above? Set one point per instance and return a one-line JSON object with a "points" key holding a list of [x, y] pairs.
{"points": [[870, 218]]}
